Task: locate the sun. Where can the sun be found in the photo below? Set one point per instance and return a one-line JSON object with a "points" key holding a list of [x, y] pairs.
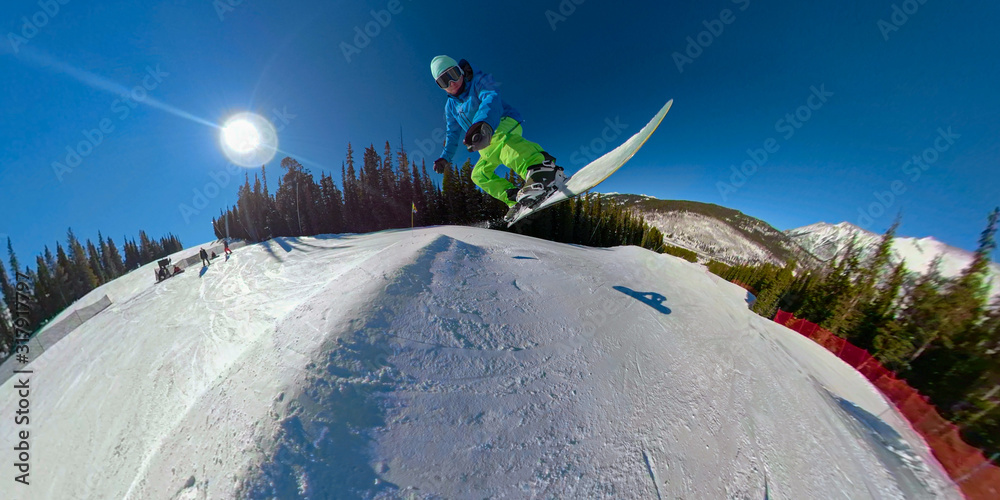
{"points": [[241, 135], [248, 139]]}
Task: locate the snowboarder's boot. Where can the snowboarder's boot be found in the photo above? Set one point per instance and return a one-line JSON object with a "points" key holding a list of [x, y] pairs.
{"points": [[541, 180]]}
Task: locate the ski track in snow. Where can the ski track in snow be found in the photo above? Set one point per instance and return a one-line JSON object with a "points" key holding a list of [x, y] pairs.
{"points": [[451, 363]]}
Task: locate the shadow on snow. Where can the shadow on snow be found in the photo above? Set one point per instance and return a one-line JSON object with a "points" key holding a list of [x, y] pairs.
{"points": [[652, 299]]}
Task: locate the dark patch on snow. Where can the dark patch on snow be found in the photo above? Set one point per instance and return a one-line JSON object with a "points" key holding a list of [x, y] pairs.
{"points": [[323, 448], [652, 475], [891, 448], [283, 244], [266, 245], [652, 299]]}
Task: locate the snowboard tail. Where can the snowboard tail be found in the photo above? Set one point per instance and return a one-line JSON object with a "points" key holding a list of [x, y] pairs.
{"points": [[595, 172]]}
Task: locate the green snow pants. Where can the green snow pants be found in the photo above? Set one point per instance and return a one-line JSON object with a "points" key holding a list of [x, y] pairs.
{"points": [[507, 148]]}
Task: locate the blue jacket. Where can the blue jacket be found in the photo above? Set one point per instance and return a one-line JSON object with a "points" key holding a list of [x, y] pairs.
{"points": [[480, 102]]}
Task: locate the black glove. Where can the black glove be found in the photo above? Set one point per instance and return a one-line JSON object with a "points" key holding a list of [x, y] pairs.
{"points": [[440, 165], [479, 136]]}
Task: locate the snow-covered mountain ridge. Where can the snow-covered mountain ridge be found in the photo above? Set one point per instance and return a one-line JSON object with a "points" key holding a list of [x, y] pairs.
{"points": [[826, 241], [454, 362], [715, 232], [726, 235]]}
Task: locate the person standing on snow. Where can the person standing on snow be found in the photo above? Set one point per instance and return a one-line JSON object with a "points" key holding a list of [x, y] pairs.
{"points": [[493, 128], [204, 257], [225, 244]]}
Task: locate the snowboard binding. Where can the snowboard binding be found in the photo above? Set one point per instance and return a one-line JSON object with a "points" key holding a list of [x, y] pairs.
{"points": [[541, 180]]}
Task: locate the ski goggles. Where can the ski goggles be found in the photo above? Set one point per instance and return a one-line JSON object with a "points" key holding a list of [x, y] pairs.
{"points": [[450, 75]]}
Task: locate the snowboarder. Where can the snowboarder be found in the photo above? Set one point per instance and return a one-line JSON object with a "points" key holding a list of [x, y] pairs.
{"points": [[493, 128], [226, 250], [204, 257]]}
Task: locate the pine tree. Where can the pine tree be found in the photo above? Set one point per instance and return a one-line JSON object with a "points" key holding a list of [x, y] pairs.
{"points": [[111, 266], [881, 310], [468, 201], [7, 288], [94, 259], [966, 299], [405, 185], [432, 197], [393, 213], [46, 292], [332, 205], [952, 361], [255, 219], [132, 257], [82, 278], [373, 200], [922, 316], [849, 311], [58, 288], [64, 275], [7, 338], [294, 198], [352, 195], [830, 288], [419, 198], [450, 193], [767, 302], [146, 252], [9, 303], [984, 394], [893, 346]]}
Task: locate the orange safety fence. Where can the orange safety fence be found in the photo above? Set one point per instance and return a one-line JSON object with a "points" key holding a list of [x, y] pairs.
{"points": [[968, 467]]}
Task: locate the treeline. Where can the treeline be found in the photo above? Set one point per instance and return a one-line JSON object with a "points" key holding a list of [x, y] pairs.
{"points": [[386, 191], [73, 271], [942, 335], [683, 253], [590, 220]]}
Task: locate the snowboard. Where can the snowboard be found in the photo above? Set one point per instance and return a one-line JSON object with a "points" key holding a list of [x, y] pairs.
{"points": [[595, 172]]}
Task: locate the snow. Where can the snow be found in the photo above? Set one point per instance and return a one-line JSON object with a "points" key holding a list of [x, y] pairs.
{"points": [[133, 284], [828, 240], [732, 238], [453, 362], [708, 236]]}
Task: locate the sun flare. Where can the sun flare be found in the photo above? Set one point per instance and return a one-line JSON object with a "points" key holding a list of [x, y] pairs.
{"points": [[241, 135], [248, 139]]}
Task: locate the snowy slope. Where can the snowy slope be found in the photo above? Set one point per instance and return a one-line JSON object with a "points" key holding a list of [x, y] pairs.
{"points": [[828, 240], [454, 362], [133, 283], [715, 232], [707, 236]]}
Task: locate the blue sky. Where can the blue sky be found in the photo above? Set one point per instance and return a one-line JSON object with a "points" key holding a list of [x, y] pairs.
{"points": [[891, 88]]}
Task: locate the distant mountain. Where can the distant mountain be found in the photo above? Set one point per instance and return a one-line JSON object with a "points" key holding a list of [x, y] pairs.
{"points": [[730, 236], [828, 240], [715, 232]]}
